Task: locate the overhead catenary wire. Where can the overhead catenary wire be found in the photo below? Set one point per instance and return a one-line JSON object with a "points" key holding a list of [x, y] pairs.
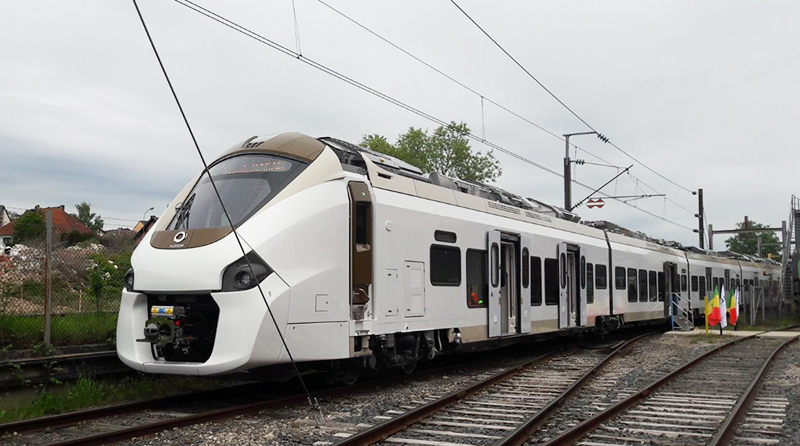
{"points": [[456, 81], [560, 101], [482, 97], [638, 180], [224, 208], [304, 59]]}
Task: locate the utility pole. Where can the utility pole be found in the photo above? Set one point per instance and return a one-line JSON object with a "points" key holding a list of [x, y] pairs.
{"points": [[701, 227], [568, 167]]}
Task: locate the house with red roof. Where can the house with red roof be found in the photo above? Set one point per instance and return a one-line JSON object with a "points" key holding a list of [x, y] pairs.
{"points": [[63, 223]]}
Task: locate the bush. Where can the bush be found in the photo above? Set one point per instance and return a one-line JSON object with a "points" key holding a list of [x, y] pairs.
{"points": [[106, 276]]}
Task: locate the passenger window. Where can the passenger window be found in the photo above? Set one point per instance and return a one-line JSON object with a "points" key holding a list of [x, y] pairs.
{"points": [[551, 288], [619, 278], [632, 292], [662, 286], [589, 283], [536, 281], [642, 285], [445, 265], [694, 283], [600, 277], [583, 272], [651, 276], [362, 223], [683, 282], [495, 265], [714, 283], [477, 286], [526, 271], [563, 270], [702, 286]]}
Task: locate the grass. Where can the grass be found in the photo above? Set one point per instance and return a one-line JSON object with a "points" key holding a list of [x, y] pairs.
{"points": [[768, 324], [711, 338], [21, 332], [88, 392]]}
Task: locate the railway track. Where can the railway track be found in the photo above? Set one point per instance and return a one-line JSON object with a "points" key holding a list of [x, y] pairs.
{"points": [[506, 406], [671, 410], [104, 425]]}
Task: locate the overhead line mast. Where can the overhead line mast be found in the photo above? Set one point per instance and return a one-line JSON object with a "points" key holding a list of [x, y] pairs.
{"points": [[562, 102]]}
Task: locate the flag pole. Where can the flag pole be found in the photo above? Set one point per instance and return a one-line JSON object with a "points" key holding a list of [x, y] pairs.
{"points": [[706, 313]]}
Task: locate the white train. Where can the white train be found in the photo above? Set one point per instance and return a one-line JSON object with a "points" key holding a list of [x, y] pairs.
{"points": [[366, 262]]}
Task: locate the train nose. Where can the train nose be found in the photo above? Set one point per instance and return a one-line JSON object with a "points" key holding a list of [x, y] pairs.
{"points": [[208, 334]]}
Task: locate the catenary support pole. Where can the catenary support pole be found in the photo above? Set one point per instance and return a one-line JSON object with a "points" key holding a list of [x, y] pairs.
{"points": [[701, 225], [710, 237], [48, 262], [567, 176]]}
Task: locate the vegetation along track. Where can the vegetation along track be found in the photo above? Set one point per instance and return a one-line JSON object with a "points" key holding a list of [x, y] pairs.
{"points": [[700, 403], [503, 407], [151, 416]]}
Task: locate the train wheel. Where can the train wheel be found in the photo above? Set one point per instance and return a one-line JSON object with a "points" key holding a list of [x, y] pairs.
{"points": [[408, 368], [350, 377]]}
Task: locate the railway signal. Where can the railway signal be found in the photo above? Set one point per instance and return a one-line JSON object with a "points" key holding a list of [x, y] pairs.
{"points": [[595, 203]]}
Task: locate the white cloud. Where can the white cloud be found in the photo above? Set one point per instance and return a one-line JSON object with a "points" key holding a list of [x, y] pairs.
{"points": [[704, 93]]}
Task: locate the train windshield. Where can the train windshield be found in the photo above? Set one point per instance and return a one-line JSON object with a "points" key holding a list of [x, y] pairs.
{"points": [[245, 182]]}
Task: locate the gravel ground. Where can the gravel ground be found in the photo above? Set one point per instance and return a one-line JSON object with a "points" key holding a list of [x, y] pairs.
{"points": [[301, 426], [640, 365], [782, 382]]}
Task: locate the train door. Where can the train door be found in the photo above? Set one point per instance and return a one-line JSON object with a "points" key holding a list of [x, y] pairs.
{"points": [[727, 282], [507, 309], [508, 287], [360, 249], [671, 285], [569, 305], [493, 271]]}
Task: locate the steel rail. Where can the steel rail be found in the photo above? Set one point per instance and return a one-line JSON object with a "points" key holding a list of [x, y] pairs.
{"points": [[70, 418], [738, 412], [575, 433], [215, 415], [230, 412], [520, 435], [384, 430], [397, 424]]}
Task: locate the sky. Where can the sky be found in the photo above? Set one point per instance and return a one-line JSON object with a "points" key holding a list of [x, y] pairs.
{"points": [[703, 93]]}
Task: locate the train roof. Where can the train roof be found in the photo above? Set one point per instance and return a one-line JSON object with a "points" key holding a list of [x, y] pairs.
{"points": [[356, 158]]}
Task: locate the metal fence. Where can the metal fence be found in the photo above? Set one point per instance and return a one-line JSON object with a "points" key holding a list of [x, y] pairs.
{"points": [[57, 292]]}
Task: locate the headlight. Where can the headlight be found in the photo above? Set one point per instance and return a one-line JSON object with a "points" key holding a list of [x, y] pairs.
{"points": [[238, 276], [128, 280]]}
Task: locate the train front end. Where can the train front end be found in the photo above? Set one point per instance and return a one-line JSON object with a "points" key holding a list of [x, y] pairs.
{"points": [[192, 304]]}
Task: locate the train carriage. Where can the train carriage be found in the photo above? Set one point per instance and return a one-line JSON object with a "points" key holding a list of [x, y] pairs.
{"points": [[365, 261]]}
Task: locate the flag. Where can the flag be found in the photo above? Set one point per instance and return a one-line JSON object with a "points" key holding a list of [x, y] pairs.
{"points": [[733, 307], [723, 307], [712, 309]]}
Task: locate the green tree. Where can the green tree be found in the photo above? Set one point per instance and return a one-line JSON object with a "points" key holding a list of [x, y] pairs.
{"points": [[87, 217], [747, 243], [446, 151], [29, 226]]}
